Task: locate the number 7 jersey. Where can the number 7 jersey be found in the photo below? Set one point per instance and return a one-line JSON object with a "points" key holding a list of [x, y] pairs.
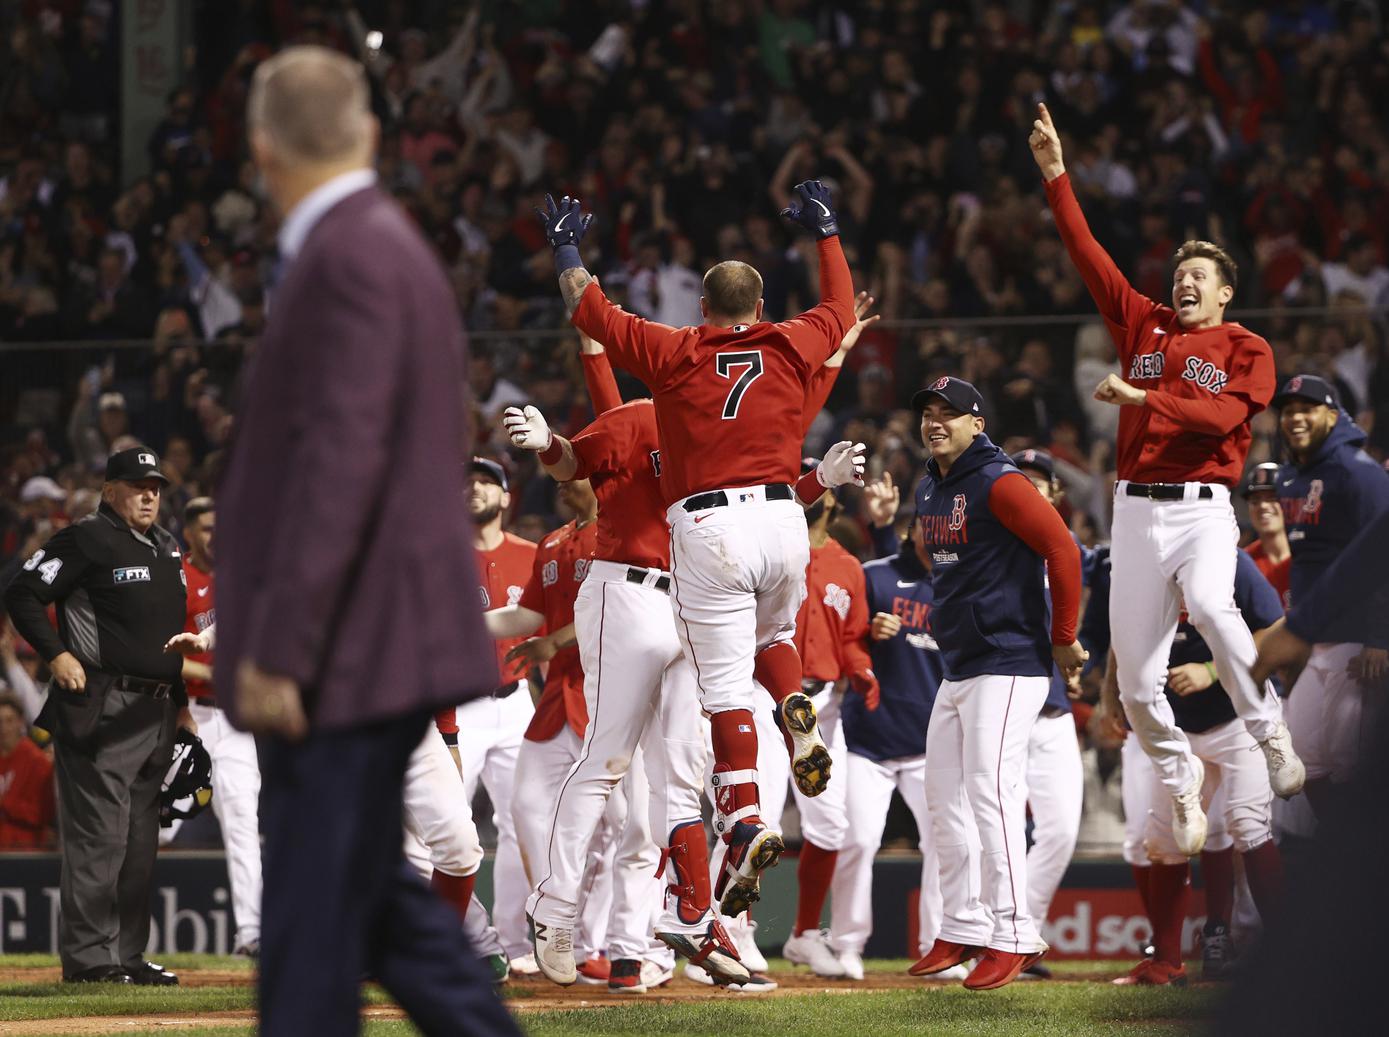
{"points": [[729, 401]]}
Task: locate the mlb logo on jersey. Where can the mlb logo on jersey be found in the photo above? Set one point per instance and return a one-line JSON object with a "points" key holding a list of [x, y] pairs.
{"points": [[131, 574]]}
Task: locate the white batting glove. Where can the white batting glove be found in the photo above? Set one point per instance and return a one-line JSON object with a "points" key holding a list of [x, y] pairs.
{"points": [[527, 428], [843, 463]]}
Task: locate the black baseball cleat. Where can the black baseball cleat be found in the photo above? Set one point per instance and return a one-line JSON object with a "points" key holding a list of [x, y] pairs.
{"points": [[810, 759], [148, 974], [751, 849], [100, 974]]}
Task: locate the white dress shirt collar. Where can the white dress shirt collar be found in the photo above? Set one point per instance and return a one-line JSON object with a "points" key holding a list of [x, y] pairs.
{"points": [[315, 205]]}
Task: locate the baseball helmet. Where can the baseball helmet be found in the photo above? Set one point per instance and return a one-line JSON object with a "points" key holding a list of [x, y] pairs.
{"points": [[188, 784], [1263, 477]]}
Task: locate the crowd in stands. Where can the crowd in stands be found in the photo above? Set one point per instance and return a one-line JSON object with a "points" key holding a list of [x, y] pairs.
{"points": [[682, 125]]}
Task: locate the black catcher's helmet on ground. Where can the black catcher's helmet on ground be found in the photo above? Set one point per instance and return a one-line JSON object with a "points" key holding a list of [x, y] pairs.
{"points": [[188, 785]]}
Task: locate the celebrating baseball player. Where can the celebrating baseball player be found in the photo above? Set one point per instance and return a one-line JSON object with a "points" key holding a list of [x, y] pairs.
{"points": [[1330, 491], [1193, 383], [730, 396], [1271, 551], [994, 544]]}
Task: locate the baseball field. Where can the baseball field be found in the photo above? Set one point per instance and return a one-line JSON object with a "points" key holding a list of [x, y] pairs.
{"points": [[217, 999]]}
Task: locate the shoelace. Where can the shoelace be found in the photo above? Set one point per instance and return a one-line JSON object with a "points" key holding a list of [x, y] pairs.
{"points": [[1273, 749], [1183, 803], [562, 941]]}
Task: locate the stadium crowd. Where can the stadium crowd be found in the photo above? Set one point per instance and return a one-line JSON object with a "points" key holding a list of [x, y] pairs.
{"points": [[682, 126]]}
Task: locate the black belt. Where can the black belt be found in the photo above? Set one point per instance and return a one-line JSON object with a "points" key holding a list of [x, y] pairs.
{"points": [[1164, 491], [813, 687], [635, 574], [155, 689], [203, 700], [1051, 712], [506, 689], [719, 498]]}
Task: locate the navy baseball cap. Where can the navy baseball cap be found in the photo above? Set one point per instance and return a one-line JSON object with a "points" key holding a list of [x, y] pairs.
{"points": [[1307, 387], [1264, 478], [1037, 461], [957, 392], [486, 466], [139, 462]]}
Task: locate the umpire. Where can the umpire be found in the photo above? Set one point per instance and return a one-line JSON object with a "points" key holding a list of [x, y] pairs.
{"points": [[117, 581]]}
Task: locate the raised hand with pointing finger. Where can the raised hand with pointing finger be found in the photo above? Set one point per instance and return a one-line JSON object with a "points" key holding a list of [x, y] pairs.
{"points": [[1046, 145]]}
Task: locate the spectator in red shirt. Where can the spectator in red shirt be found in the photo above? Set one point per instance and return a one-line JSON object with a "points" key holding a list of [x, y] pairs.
{"points": [[26, 783]]}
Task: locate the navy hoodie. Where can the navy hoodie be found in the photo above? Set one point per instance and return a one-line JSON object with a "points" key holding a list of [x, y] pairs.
{"points": [[991, 612], [1326, 503]]}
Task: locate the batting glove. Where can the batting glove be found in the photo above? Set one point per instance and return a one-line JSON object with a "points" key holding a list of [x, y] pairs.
{"points": [[843, 463], [812, 209], [565, 223], [527, 428], [866, 684]]}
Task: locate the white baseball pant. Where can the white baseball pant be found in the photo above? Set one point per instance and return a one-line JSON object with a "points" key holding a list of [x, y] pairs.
{"points": [[976, 762], [1331, 714], [236, 803], [436, 814], [490, 732], [738, 580], [642, 706], [1140, 788], [825, 818], [1055, 791], [870, 784], [1164, 553], [1234, 767]]}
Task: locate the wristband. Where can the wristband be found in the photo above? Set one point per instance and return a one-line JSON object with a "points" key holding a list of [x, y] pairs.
{"points": [[1215, 676], [450, 738], [553, 452], [567, 258]]}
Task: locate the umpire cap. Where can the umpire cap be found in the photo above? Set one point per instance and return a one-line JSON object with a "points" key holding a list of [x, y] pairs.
{"points": [[139, 462], [957, 392], [1262, 479]]}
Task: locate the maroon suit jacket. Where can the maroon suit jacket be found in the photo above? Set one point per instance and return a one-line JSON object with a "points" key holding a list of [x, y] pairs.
{"points": [[344, 555]]}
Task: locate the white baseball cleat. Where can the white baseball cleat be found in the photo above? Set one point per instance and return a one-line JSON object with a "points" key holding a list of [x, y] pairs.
{"points": [[524, 966], [1285, 770], [954, 973], [554, 953], [654, 975], [852, 963], [752, 985], [812, 948], [1188, 819], [745, 939]]}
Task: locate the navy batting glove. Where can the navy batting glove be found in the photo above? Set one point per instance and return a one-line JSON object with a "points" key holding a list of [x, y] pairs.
{"points": [[812, 209], [565, 223]]}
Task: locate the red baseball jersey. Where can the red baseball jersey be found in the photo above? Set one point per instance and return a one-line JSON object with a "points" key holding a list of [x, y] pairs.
{"points": [[832, 625], [560, 566], [729, 401], [26, 797], [1203, 386], [1279, 574], [620, 454], [199, 614]]}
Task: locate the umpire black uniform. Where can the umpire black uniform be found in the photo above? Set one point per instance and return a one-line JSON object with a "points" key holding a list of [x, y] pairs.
{"points": [[117, 581]]}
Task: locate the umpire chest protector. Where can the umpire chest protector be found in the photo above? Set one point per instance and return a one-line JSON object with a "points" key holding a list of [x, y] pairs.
{"points": [[990, 610]]}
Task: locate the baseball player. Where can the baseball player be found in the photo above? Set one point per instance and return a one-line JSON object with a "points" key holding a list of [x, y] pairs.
{"points": [[994, 544], [1193, 383], [1055, 774], [495, 726], [729, 398], [235, 768], [1271, 552], [831, 633], [886, 749], [1330, 491]]}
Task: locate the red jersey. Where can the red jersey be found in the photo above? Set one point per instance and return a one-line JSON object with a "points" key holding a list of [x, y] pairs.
{"points": [[560, 566], [1203, 386], [729, 401], [832, 625], [26, 798], [620, 454], [1277, 573], [199, 614]]}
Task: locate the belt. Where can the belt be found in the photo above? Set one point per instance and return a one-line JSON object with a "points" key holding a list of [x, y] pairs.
{"points": [[155, 689], [719, 499], [636, 574], [504, 690], [204, 700], [1164, 491], [813, 687], [1051, 712]]}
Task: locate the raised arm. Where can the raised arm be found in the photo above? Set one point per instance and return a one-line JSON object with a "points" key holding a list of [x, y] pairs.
{"points": [[529, 430], [822, 381], [598, 375], [1116, 299], [817, 332]]}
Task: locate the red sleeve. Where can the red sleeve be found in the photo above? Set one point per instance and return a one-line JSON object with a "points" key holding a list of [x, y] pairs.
{"points": [[809, 488], [602, 386], [1026, 514], [30, 800], [817, 332], [1249, 390], [606, 443], [446, 720], [1118, 303], [817, 392], [853, 656], [533, 597], [632, 343]]}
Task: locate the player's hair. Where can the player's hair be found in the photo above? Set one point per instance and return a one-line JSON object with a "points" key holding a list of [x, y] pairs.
{"points": [[196, 509], [1229, 272], [732, 288], [9, 698], [312, 103]]}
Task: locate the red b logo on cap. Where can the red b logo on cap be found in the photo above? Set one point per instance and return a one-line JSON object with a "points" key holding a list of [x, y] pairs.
{"points": [[941, 383], [1295, 384]]}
